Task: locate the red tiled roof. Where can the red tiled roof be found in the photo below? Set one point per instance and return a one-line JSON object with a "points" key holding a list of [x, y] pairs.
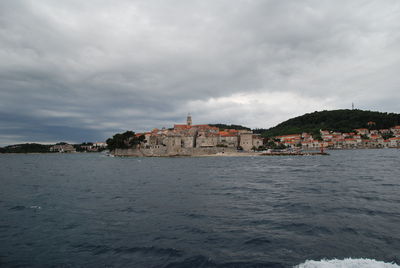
{"points": [[227, 134], [182, 126]]}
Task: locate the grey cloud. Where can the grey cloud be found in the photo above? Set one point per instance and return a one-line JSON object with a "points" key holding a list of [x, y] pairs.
{"points": [[97, 67]]}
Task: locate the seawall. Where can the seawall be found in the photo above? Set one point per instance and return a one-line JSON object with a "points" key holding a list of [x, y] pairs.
{"points": [[163, 151]]}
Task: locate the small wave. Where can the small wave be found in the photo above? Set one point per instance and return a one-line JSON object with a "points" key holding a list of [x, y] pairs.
{"points": [[127, 209], [203, 261], [258, 241], [347, 263], [23, 207], [195, 216], [150, 250], [18, 208], [70, 226]]}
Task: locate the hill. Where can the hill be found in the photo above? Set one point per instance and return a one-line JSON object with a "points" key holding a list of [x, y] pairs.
{"points": [[336, 120], [26, 148], [224, 126]]}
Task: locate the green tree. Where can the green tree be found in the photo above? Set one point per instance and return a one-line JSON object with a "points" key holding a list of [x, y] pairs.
{"points": [[387, 135], [124, 140]]}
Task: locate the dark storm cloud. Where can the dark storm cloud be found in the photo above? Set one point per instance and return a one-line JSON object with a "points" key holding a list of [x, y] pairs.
{"points": [[83, 70]]}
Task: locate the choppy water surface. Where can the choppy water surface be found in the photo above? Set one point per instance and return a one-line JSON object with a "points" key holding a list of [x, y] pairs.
{"points": [[90, 210]]}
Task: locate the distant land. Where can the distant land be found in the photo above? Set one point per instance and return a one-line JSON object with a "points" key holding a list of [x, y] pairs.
{"points": [[63, 147], [26, 148], [338, 129], [318, 127], [335, 120]]}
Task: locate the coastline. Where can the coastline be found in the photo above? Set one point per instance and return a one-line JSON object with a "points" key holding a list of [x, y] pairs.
{"points": [[219, 154], [251, 154]]}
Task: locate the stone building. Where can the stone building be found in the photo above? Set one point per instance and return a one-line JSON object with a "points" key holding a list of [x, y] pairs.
{"points": [[248, 141], [62, 148], [183, 138]]}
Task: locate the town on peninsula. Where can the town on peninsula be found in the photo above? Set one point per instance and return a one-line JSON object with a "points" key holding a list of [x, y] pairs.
{"points": [[197, 140], [314, 132]]}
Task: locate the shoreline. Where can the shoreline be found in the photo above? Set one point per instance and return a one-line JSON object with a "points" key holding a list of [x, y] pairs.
{"points": [[220, 154], [235, 154]]}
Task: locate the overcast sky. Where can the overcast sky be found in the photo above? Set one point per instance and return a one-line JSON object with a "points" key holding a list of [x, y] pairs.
{"points": [[73, 70]]}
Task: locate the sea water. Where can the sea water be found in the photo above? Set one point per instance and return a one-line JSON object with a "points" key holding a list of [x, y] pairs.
{"points": [[90, 210]]}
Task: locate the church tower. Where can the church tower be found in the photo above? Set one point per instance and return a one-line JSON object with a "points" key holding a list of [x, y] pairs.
{"points": [[189, 120]]}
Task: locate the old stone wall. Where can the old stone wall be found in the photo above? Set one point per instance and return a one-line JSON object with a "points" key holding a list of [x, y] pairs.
{"points": [[246, 141], [206, 141], [163, 151]]}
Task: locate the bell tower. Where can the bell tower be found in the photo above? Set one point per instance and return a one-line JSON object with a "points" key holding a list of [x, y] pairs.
{"points": [[189, 120]]}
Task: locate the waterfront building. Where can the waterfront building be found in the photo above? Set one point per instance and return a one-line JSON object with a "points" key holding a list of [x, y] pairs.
{"points": [[187, 138], [62, 148]]}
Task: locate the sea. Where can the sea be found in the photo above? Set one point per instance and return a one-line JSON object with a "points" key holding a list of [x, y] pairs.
{"points": [[93, 210]]}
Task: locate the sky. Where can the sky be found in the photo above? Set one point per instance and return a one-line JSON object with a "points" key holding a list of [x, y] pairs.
{"points": [[75, 71]]}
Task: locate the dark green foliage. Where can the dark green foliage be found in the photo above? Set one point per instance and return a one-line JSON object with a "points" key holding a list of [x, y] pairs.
{"points": [[223, 126], [124, 140], [26, 148], [87, 143], [259, 130], [387, 136], [261, 148], [337, 120], [81, 147], [272, 145]]}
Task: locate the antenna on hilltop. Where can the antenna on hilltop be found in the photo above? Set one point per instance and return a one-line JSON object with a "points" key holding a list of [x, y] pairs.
{"points": [[352, 105]]}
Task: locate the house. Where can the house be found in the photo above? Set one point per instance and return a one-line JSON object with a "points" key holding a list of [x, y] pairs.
{"points": [[396, 130], [228, 138], [99, 145], [63, 148], [362, 131], [394, 142], [292, 137]]}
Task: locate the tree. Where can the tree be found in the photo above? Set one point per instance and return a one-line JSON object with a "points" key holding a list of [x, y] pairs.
{"points": [[124, 140], [387, 136], [224, 126]]}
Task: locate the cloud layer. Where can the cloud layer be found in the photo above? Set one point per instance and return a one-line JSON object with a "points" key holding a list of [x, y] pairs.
{"points": [[83, 70]]}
